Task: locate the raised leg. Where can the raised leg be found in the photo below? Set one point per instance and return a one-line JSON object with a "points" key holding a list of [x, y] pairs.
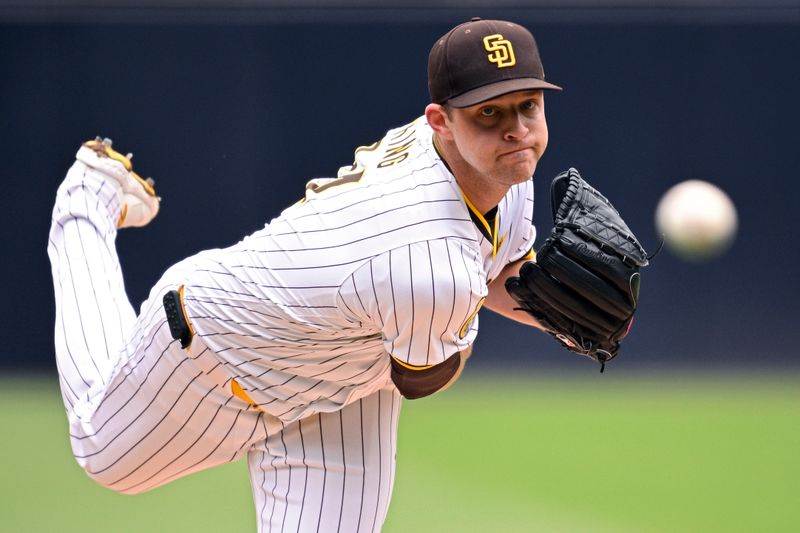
{"points": [[142, 411]]}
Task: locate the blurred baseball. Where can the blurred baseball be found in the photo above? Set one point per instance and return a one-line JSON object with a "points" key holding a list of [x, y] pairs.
{"points": [[698, 220]]}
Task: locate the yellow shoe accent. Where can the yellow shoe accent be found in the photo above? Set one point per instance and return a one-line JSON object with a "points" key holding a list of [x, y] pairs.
{"points": [[147, 184], [103, 149], [138, 198]]}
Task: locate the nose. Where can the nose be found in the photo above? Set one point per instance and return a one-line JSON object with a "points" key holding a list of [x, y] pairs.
{"points": [[516, 129]]}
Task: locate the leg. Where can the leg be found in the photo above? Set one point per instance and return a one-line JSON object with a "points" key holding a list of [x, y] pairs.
{"points": [[93, 314], [142, 411], [328, 472]]}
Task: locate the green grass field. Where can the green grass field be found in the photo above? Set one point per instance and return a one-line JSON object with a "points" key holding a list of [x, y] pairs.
{"points": [[676, 454]]}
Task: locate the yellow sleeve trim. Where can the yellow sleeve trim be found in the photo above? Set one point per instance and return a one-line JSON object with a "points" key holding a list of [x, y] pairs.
{"points": [[464, 329], [410, 367], [530, 256]]}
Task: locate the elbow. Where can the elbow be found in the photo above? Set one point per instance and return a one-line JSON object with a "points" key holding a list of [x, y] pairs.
{"points": [[414, 383]]}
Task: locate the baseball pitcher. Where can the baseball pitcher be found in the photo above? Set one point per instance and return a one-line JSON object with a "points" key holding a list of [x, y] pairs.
{"points": [[293, 347]]}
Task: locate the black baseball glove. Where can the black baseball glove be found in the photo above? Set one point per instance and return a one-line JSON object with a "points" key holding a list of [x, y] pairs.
{"points": [[584, 286]]}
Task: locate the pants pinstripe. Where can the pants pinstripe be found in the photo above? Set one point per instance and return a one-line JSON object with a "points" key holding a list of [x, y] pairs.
{"points": [[328, 472], [142, 411]]}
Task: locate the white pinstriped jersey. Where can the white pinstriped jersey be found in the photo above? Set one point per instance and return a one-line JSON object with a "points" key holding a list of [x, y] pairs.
{"points": [[385, 259]]}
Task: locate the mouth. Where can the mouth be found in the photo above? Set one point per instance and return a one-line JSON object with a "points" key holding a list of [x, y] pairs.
{"points": [[519, 153]]}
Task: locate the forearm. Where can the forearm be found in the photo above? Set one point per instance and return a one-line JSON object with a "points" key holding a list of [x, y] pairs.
{"points": [[499, 301]]}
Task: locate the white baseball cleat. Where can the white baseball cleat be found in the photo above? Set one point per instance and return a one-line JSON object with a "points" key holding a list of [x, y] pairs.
{"points": [[140, 203]]}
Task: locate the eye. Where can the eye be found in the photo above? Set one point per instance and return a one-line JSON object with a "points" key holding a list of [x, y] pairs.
{"points": [[488, 112], [527, 105]]}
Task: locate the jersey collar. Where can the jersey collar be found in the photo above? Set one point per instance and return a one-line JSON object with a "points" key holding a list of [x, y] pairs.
{"points": [[487, 223]]}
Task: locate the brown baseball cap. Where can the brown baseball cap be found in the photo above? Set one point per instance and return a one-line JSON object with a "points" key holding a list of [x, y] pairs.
{"points": [[482, 59]]}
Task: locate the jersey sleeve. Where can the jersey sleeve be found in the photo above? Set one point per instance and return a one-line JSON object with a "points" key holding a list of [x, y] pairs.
{"points": [[423, 297]]}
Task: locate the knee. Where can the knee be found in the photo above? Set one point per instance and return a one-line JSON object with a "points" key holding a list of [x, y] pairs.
{"points": [[109, 478]]}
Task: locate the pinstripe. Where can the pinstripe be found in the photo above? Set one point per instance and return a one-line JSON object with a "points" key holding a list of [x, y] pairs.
{"points": [[345, 303], [221, 441], [469, 279], [337, 367], [433, 304], [344, 468], [413, 307], [134, 370], [70, 370], [374, 292], [260, 285], [131, 398], [261, 472], [394, 300], [69, 351], [363, 219], [79, 222], [355, 290], [347, 243], [84, 255], [234, 306], [112, 271], [324, 471], [100, 242], [59, 289], [82, 327], [274, 487], [141, 413], [330, 265], [247, 443], [303, 268], [393, 440], [289, 485], [448, 326], [168, 441], [304, 391], [273, 492], [292, 367], [380, 464], [367, 186], [363, 463], [305, 477]]}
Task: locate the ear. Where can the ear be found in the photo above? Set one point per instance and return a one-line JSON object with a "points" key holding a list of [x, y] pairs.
{"points": [[438, 121]]}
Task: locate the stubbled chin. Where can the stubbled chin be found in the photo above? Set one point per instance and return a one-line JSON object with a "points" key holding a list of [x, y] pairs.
{"points": [[521, 170]]}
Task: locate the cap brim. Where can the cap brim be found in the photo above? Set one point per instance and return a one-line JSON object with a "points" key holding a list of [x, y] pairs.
{"points": [[493, 90]]}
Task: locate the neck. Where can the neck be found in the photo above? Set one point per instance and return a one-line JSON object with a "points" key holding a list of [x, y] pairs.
{"points": [[481, 190]]}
